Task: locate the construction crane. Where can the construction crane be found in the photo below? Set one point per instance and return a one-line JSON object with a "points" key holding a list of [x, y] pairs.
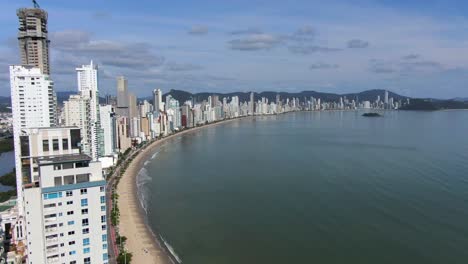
{"points": [[36, 5]]}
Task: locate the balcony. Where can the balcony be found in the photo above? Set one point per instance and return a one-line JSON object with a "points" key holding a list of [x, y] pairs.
{"points": [[50, 219], [52, 250], [51, 229], [52, 240], [53, 259]]}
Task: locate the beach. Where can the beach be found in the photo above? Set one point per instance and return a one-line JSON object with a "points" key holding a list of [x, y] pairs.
{"points": [[141, 242]]}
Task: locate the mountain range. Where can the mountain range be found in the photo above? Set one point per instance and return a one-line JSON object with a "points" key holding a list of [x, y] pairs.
{"points": [[369, 95]]}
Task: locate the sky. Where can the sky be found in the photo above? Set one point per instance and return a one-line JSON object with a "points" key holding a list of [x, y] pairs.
{"points": [[416, 48]]}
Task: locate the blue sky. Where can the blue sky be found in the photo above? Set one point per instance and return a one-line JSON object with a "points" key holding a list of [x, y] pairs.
{"points": [[415, 48]]}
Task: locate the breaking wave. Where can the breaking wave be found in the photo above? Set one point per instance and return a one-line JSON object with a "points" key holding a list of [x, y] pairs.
{"points": [[141, 182]]}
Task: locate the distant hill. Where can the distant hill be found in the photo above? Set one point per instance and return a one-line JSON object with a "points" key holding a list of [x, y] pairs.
{"points": [[432, 105], [461, 99], [370, 95]]}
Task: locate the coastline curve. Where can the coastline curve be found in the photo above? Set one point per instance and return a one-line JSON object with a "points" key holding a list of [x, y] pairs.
{"points": [[146, 244]]}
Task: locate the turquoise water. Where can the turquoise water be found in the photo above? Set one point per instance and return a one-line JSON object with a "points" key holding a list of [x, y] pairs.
{"points": [[324, 187]]}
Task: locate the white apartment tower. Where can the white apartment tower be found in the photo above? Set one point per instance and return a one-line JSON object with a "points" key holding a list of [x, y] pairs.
{"points": [[65, 204], [76, 111], [33, 104], [87, 76]]}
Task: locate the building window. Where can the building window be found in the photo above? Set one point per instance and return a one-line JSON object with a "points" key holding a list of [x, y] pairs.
{"points": [[85, 222], [71, 243], [103, 208], [105, 257], [72, 253], [82, 178], [82, 164], [86, 250], [71, 233], [85, 231], [103, 227], [70, 213], [45, 145], [103, 199], [69, 193], [65, 144], [104, 246], [70, 179], [104, 238], [67, 166], [57, 181], [55, 144], [84, 202], [71, 222], [50, 205], [84, 211], [102, 189], [103, 218], [87, 260], [57, 166], [52, 195], [69, 202], [86, 242], [84, 191]]}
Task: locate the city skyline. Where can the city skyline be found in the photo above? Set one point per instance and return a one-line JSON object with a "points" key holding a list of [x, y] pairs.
{"points": [[415, 53], [79, 193]]}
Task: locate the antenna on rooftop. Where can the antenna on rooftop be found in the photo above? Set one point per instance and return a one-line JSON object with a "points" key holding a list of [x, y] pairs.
{"points": [[36, 5]]}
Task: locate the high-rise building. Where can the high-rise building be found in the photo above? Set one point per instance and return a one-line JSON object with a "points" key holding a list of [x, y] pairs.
{"points": [[252, 103], [157, 100], [32, 38], [65, 204], [214, 100], [122, 96], [122, 140], [107, 124], [386, 97], [122, 92], [33, 104], [76, 111], [87, 76]]}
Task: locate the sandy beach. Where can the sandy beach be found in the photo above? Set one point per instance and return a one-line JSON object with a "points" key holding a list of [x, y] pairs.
{"points": [[140, 240]]}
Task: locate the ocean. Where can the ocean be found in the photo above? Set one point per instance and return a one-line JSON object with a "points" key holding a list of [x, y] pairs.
{"points": [[314, 187]]}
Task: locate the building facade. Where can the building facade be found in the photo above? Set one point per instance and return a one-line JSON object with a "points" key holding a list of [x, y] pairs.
{"points": [[33, 104], [33, 38], [65, 204]]}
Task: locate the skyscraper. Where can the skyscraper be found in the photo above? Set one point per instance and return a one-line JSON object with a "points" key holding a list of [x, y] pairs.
{"points": [[252, 103], [87, 76], [107, 123], [157, 100], [76, 111], [122, 97], [33, 104], [122, 92], [32, 38], [386, 97]]}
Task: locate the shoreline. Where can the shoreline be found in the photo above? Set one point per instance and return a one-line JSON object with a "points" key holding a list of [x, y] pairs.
{"points": [[146, 244]]}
